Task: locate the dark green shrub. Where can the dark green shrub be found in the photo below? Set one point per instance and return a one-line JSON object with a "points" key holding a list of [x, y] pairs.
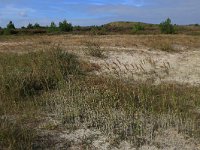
{"points": [[167, 27], [65, 26]]}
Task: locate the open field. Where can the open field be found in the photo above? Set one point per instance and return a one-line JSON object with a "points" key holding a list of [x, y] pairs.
{"points": [[100, 92]]}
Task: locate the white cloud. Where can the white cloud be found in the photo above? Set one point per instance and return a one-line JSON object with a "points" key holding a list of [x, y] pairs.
{"points": [[14, 12]]}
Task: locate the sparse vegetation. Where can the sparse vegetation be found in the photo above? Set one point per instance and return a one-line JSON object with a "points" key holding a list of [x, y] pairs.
{"points": [[52, 99]]}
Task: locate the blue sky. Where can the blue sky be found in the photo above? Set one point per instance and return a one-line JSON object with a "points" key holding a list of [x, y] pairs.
{"points": [[96, 12]]}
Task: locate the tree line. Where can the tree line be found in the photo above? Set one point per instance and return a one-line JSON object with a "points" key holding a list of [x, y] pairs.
{"points": [[166, 27], [63, 26]]}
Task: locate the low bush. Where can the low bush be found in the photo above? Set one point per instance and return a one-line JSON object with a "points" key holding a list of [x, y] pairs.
{"points": [[138, 27]]}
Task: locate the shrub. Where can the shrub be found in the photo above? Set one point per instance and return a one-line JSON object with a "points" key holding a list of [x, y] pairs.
{"points": [[65, 26], [167, 27], [77, 28], [138, 27]]}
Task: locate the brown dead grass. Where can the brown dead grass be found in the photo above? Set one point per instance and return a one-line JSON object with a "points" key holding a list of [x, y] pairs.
{"points": [[22, 43]]}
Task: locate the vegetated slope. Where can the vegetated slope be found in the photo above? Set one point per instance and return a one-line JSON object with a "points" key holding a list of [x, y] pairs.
{"points": [[149, 28], [127, 24]]}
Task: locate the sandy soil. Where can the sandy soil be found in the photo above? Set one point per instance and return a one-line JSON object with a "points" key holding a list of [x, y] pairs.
{"points": [[145, 64]]}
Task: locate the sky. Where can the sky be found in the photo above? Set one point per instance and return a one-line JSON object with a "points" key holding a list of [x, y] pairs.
{"points": [[98, 12]]}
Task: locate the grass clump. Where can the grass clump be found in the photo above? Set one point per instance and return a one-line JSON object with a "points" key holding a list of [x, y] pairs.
{"points": [[94, 49], [14, 136], [33, 73]]}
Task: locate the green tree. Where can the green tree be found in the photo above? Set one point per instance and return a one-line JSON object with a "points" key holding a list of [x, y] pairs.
{"points": [[53, 27], [167, 27], [10, 26], [29, 26], [65, 26], [9, 29], [36, 26]]}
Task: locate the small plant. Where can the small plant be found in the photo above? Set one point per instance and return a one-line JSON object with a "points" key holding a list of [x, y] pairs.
{"points": [[167, 27], [94, 49]]}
